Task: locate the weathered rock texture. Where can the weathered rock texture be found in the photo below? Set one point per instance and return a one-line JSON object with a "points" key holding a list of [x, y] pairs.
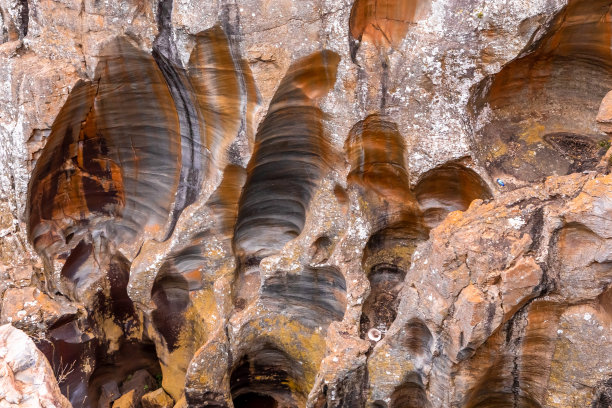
{"points": [[314, 203], [26, 377]]}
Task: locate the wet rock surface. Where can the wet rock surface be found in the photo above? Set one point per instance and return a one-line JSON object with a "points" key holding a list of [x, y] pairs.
{"points": [[398, 203]]}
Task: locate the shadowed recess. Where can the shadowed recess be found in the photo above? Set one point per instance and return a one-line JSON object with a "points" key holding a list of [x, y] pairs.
{"points": [[266, 377], [395, 244], [64, 345], [288, 160], [544, 105], [386, 258], [132, 356], [375, 149], [170, 294], [94, 350], [411, 394], [380, 308], [225, 90], [604, 397], [186, 269], [383, 22], [512, 368], [190, 120], [417, 338], [110, 165], [447, 188], [315, 296]]}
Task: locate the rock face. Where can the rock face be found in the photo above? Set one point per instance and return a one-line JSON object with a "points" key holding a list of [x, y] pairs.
{"points": [[26, 377], [399, 203]]}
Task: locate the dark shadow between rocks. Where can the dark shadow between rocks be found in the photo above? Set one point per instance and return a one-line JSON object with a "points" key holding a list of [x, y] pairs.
{"points": [[266, 375]]}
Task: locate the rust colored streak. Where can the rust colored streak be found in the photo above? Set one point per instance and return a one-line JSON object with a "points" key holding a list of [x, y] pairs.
{"points": [[385, 22], [290, 155], [224, 202], [582, 35], [138, 117], [376, 152], [375, 149], [513, 367], [552, 94], [225, 89], [448, 188], [112, 161], [74, 176]]}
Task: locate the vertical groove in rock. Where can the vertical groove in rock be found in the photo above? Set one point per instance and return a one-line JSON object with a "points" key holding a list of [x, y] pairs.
{"points": [[164, 43], [289, 158], [24, 18], [190, 122], [226, 93]]}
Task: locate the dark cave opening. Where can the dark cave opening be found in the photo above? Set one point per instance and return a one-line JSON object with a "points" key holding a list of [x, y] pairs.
{"points": [[266, 377], [380, 308], [254, 400]]}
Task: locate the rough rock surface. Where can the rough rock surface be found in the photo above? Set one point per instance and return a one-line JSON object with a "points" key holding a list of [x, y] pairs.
{"points": [[26, 377], [157, 399], [321, 203]]}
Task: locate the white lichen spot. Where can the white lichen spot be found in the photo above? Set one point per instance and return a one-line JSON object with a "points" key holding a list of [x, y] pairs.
{"points": [[516, 222]]}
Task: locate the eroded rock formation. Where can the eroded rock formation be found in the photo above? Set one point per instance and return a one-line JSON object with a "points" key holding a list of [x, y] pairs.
{"points": [[307, 203]]}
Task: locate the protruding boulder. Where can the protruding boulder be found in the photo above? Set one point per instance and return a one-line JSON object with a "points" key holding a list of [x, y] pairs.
{"points": [[109, 392], [29, 308], [604, 116], [141, 382], [126, 401], [157, 399], [26, 377]]}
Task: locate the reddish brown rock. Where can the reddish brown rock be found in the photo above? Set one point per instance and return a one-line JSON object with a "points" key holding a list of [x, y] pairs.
{"points": [[385, 22], [518, 284]]}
